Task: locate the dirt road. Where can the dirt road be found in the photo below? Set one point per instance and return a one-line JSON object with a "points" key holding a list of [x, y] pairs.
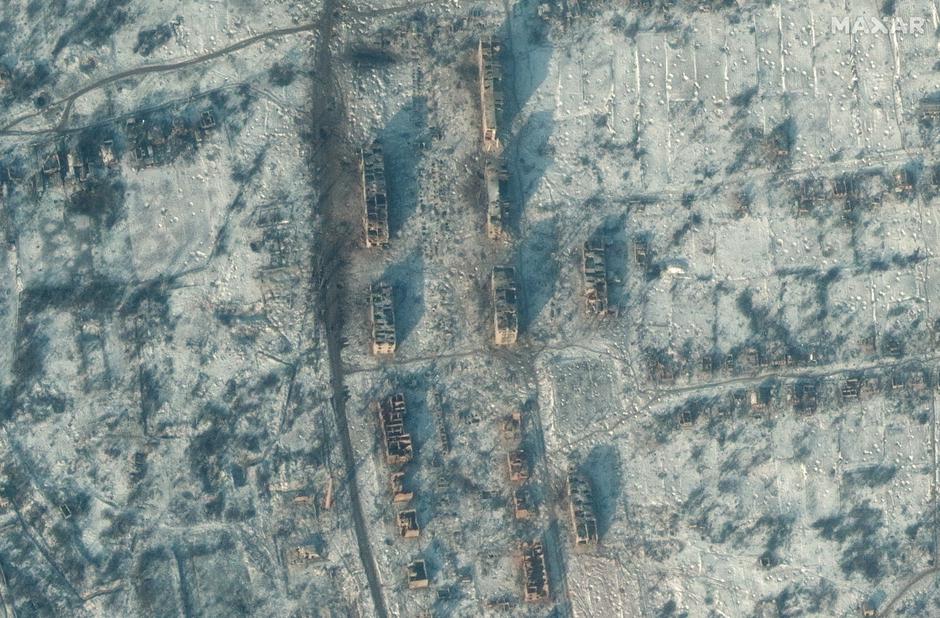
{"points": [[334, 242]]}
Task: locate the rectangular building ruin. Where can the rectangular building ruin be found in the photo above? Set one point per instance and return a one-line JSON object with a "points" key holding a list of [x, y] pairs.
{"points": [[106, 152], [144, 155], [399, 495], [375, 198], [491, 96], [51, 166], [581, 510], [641, 251], [496, 181], [851, 388], [207, 120], [76, 164], [534, 573], [417, 575], [512, 427], [398, 447], [903, 180], [518, 466], [809, 192], [594, 268], [930, 108], [520, 504], [805, 397], [301, 554], [505, 311], [408, 524], [382, 305]]}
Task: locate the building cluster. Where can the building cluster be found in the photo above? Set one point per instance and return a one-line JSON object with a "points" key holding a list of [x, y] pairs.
{"points": [[860, 188], [392, 412], [71, 163], [156, 144], [496, 184], [397, 442], [505, 299], [532, 555], [375, 223], [806, 395], [381, 302], [45, 514], [399, 451], [667, 365]]}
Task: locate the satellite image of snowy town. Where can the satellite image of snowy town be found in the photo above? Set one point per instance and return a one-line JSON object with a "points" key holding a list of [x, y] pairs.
{"points": [[471, 308]]}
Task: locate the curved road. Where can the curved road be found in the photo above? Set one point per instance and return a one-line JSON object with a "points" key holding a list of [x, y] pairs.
{"points": [[69, 101], [907, 587]]}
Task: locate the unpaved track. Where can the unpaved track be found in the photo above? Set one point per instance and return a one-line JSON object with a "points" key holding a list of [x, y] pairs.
{"points": [[69, 101], [334, 242], [889, 608]]}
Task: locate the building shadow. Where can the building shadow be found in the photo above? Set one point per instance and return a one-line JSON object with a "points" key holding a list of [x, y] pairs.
{"points": [[612, 233], [539, 270], [604, 468], [527, 155], [406, 277], [525, 57], [403, 141]]}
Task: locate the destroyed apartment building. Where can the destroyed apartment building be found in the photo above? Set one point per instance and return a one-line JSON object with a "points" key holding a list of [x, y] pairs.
{"points": [[505, 309], [399, 495], [417, 575], [496, 182], [398, 446], [491, 96], [581, 510], [375, 197], [408, 524], [382, 314], [518, 466], [594, 268], [533, 572]]}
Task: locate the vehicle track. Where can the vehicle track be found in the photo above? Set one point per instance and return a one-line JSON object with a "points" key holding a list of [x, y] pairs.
{"points": [[69, 101], [889, 608], [333, 243]]}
